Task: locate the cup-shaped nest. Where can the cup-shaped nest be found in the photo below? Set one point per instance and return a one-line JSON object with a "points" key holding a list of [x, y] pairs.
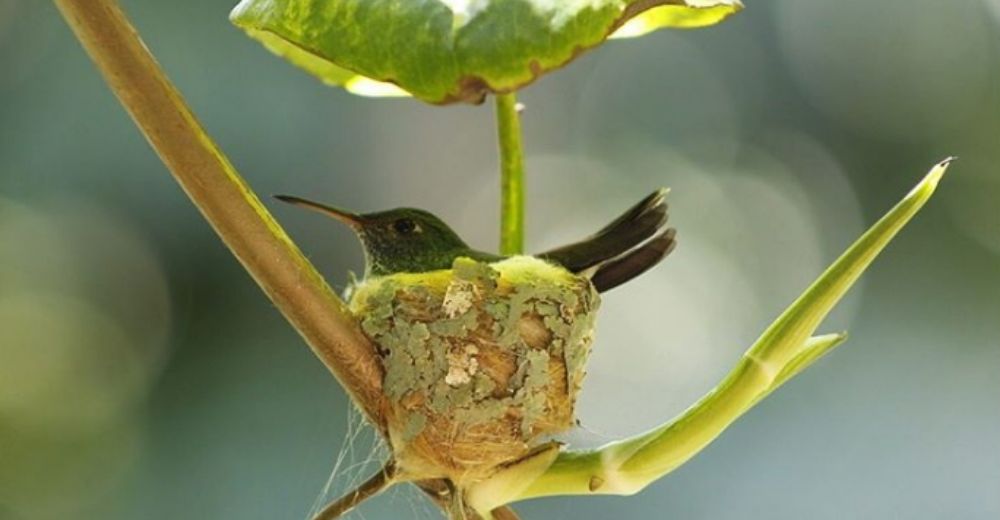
{"points": [[481, 360]]}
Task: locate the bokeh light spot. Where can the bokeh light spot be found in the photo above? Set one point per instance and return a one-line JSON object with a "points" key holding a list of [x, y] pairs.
{"points": [[892, 69]]}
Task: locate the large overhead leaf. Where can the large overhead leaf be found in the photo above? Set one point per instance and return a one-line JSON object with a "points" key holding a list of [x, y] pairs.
{"points": [[443, 51]]}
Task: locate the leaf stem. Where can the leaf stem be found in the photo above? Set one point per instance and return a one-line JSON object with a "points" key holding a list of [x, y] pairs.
{"points": [[511, 174], [226, 201]]}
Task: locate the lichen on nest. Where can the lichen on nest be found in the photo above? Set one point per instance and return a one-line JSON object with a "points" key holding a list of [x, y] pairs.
{"points": [[481, 361]]}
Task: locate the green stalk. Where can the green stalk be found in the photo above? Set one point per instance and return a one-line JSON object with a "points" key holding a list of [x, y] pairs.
{"points": [[783, 351], [511, 175]]}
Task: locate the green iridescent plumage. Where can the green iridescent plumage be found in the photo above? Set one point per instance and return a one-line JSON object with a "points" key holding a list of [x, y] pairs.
{"points": [[409, 240]]}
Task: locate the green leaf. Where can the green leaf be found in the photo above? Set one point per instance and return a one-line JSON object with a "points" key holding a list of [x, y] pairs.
{"points": [[443, 51], [783, 351]]}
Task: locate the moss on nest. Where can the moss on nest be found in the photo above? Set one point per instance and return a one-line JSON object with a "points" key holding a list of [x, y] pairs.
{"points": [[480, 361]]}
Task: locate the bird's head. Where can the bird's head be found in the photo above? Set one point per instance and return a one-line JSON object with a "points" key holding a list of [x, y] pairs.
{"points": [[398, 240]]}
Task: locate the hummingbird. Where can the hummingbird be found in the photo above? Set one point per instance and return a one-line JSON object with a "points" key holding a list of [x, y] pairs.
{"points": [[410, 240], [484, 354]]}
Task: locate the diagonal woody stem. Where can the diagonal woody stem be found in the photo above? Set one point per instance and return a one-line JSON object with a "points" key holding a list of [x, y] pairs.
{"points": [[229, 205], [226, 201]]}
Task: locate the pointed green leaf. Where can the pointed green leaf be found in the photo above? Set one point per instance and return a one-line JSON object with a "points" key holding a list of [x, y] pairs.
{"points": [[443, 51], [813, 349], [783, 351]]}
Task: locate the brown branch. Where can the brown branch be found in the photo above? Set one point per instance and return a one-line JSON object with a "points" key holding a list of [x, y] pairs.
{"points": [[371, 487], [234, 211], [226, 201], [505, 513]]}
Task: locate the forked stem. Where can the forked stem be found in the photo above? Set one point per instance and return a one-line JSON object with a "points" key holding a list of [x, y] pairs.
{"points": [[511, 174], [783, 351]]}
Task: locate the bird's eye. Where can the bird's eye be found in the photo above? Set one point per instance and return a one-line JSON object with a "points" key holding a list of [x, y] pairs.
{"points": [[405, 226]]}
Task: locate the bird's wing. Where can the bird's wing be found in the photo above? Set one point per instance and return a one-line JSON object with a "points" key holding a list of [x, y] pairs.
{"points": [[625, 248]]}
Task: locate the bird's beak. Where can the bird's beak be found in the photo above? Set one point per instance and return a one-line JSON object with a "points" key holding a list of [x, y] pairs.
{"points": [[351, 219]]}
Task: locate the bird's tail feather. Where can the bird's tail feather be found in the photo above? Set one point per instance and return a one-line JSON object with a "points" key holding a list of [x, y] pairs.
{"points": [[625, 248], [615, 272]]}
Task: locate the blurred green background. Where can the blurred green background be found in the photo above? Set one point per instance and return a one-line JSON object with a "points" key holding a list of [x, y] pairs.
{"points": [[143, 375]]}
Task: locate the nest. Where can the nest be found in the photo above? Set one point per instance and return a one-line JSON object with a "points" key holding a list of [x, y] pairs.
{"points": [[481, 361]]}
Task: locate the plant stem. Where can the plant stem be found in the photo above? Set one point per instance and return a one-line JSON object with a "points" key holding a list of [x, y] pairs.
{"points": [[226, 201], [511, 175], [504, 513], [440, 492], [371, 487], [783, 351]]}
